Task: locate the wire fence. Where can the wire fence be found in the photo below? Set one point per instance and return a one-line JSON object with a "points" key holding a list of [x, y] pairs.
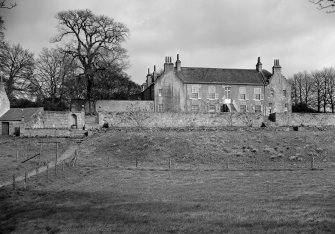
{"points": [[227, 163]]}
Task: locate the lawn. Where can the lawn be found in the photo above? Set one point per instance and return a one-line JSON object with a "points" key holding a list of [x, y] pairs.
{"points": [[26, 148], [92, 198]]}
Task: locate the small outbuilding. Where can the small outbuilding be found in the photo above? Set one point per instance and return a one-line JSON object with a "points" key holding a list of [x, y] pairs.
{"points": [[15, 118]]}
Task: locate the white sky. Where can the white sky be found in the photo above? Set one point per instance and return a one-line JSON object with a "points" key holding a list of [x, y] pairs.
{"points": [[206, 33]]}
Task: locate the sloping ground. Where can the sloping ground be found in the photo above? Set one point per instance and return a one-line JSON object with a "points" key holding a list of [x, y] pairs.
{"points": [[92, 198], [211, 150]]}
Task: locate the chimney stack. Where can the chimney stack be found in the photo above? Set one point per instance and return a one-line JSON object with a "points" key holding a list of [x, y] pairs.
{"points": [[259, 65], [154, 75], [276, 69], [168, 65], [178, 63], [149, 80]]}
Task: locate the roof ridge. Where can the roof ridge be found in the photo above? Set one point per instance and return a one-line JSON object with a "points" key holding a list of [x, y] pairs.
{"points": [[221, 68]]}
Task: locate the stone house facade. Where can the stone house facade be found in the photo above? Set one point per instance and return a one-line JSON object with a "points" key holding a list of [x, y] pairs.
{"points": [[214, 90]]}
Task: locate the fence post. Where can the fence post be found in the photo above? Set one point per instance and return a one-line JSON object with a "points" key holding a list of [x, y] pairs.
{"points": [[56, 158], [312, 163], [47, 170], [108, 161], [17, 155], [169, 163], [25, 180], [14, 181], [39, 157], [227, 163]]}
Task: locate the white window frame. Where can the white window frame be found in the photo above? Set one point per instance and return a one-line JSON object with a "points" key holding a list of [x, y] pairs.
{"points": [[211, 92], [227, 92], [241, 89], [260, 109], [245, 109], [195, 92], [272, 92], [195, 110], [257, 93], [160, 108], [211, 109]]}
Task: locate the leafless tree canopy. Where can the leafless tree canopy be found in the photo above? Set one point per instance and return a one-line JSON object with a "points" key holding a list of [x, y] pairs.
{"points": [[315, 90], [325, 4], [4, 4], [17, 68], [94, 40]]}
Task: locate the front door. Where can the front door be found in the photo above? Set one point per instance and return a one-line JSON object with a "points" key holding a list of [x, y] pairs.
{"points": [[5, 128]]}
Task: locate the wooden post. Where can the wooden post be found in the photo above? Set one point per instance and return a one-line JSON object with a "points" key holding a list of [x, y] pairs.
{"points": [[169, 163], [25, 180], [56, 159], [136, 162], [47, 170], [312, 163], [227, 163], [39, 157], [17, 155], [14, 181]]}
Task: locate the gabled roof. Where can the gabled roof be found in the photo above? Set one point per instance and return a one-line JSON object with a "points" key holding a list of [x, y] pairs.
{"points": [[15, 114], [197, 75]]}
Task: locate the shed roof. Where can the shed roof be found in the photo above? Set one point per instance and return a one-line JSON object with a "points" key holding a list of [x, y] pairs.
{"points": [[15, 114], [223, 76]]}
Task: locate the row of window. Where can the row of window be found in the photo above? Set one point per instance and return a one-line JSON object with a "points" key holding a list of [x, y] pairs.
{"points": [[227, 92]]}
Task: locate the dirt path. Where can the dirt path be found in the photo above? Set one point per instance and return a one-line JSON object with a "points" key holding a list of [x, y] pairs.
{"points": [[69, 152]]}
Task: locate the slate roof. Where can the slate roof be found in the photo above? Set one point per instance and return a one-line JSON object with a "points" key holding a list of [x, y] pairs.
{"points": [[15, 114], [197, 75]]}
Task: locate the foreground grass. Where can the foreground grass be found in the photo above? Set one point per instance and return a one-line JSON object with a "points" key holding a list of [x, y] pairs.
{"points": [[136, 201], [94, 199]]}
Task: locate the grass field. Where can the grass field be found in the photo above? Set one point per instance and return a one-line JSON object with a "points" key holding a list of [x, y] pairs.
{"points": [[92, 198], [26, 147]]}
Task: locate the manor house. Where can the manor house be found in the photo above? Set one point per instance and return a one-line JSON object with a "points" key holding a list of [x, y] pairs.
{"points": [[198, 89]]}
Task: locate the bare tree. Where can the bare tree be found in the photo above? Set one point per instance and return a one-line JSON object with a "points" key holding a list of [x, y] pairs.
{"points": [[17, 67], [3, 4], [325, 4], [53, 69], [317, 88], [94, 40]]}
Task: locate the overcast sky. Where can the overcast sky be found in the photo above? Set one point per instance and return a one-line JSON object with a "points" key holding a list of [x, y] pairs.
{"points": [[206, 33]]}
